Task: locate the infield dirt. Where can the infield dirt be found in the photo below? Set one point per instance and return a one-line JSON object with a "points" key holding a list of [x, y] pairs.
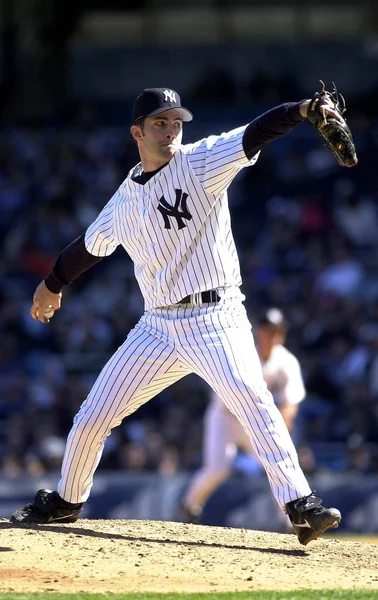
{"points": [[134, 556]]}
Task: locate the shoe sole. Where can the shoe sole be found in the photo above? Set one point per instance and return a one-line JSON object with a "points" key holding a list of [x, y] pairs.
{"points": [[20, 518], [309, 535]]}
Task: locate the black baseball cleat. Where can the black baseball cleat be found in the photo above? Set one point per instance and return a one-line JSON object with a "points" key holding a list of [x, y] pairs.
{"points": [[310, 519], [48, 507]]}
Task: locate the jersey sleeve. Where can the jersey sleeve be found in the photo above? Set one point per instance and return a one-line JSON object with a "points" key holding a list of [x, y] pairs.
{"points": [[100, 237], [293, 390], [216, 160]]}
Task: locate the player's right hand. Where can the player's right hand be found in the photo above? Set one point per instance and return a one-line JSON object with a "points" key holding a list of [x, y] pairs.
{"points": [[44, 303]]}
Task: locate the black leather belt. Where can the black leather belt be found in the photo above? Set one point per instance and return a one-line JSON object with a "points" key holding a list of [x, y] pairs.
{"points": [[208, 296]]}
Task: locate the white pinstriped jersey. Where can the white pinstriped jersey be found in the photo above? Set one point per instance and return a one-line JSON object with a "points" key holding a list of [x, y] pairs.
{"points": [[282, 375], [176, 227]]}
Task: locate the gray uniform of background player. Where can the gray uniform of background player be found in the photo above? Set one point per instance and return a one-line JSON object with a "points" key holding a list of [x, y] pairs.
{"points": [[223, 433]]}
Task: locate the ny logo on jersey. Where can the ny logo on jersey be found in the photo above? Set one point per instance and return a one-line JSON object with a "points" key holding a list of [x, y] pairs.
{"points": [[167, 210], [169, 95]]}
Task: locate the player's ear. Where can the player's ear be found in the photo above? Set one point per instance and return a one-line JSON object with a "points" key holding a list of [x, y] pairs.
{"points": [[136, 132]]}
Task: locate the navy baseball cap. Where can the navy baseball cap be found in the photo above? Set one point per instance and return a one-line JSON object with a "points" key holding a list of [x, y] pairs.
{"points": [[273, 317], [154, 101]]}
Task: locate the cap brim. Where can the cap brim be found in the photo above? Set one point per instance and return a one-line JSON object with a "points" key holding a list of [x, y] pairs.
{"points": [[185, 113]]}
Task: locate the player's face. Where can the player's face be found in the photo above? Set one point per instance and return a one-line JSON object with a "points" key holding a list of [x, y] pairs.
{"points": [[159, 138], [267, 337]]}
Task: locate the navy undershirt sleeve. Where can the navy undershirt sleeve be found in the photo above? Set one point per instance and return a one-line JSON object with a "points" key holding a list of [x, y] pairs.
{"points": [[270, 126], [74, 260]]}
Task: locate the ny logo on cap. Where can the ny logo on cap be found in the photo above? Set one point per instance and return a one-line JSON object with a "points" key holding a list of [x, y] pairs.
{"points": [[169, 95]]}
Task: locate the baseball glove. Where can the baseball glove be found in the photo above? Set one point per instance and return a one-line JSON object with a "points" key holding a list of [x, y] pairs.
{"points": [[334, 129]]}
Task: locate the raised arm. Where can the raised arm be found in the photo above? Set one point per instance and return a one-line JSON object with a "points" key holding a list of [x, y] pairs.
{"points": [[279, 121], [272, 125]]}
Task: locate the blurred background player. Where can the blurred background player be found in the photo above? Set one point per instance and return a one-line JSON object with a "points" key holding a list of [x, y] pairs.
{"points": [[224, 435]]}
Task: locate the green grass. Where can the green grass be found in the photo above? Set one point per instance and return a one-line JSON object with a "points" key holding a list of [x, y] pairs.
{"points": [[298, 595]]}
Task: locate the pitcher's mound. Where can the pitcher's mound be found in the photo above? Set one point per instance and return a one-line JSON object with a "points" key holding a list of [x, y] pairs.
{"points": [[133, 556]]}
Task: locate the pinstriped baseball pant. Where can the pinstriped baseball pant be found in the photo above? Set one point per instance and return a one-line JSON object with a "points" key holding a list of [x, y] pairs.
{"points": [[216, 343]]}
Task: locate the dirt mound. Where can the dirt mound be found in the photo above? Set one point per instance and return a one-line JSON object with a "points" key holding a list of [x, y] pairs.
{"points": [[131, 556]]}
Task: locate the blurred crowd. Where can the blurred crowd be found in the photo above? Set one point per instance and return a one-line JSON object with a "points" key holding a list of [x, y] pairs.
{"points": [[307, 235]]}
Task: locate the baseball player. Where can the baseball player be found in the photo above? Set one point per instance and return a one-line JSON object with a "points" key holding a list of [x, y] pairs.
{"points": [[223, 433], [171, 216]]}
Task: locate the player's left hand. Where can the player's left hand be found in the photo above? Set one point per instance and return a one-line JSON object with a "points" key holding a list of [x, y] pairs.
{"points": [[326, 108], [45, 303]]}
